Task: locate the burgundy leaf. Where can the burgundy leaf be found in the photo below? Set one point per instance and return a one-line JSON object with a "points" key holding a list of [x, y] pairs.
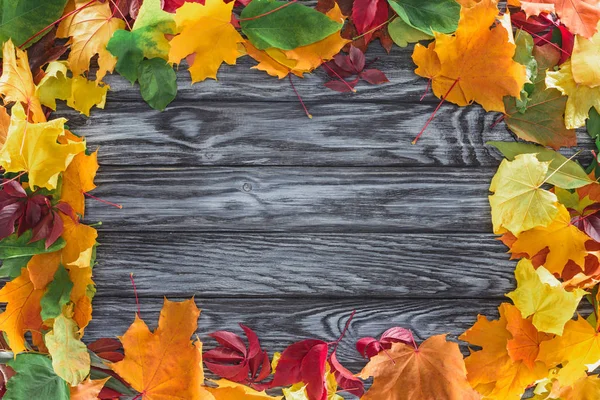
{"points": [[567, 43], [357, 58], [265, 369], [230, 340], [9, 214], [339, 86], [346, 379], [172, 5], [397, 334], [66, 209], [234, 373], [104, 344], [589, 222], [42, 52], [368, 14], [222, 354], [374, 76], [57, 229], [344, 63], [370, 347]]}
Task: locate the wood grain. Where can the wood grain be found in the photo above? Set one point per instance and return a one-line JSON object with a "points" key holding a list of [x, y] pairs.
{"points": [[280, 199], [246, 265], [214, 133]]}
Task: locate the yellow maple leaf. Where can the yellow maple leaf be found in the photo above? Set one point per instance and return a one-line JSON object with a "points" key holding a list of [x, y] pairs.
{"points": [[585, 60], [90, 29], [578, 347], [494, 371], [33, 148], [79, 93], [228, 390], [88, 389], [16, 82], [519, 203], [161, 363], [205, 31], [540, 294], [303, 59], [581, 97], [564, 241], [22, 313], [474, 64], [79, 179]]}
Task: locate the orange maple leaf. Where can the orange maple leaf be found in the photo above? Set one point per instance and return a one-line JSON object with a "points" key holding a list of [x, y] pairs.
{"points": [[22, 312], [165, 362], [88, 389], [78, 179], [580, 16], [474, 64], [433, 371]]}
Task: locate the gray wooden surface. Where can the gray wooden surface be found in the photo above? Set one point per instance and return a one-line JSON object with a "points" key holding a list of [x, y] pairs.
{"points": [[287, 224]]}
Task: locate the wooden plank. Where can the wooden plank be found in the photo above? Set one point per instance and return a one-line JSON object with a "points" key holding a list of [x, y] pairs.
{"points": [[308, 265], [279, 199], [280, 322], [192, 133]]}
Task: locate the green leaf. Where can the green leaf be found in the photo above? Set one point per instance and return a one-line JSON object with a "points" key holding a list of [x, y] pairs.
{"points": [[541, 119], [21, 19], [563, 172], [15, 252], [428, 15], [402, 33], [70, 358], [115, 384], [523, 55], [291, 26], [35, 379], [158, 83], [146, 39], [57, 294], [593, 124]]}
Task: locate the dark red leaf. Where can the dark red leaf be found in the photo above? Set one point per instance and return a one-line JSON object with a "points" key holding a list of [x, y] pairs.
{"points": [[66, 209], [357, 58], [368, 14], [57, 229], [104, 344], [370, 347], [374, 76], [42, 52], [589, 221], [346, 379], [223, 354], [172, 5], [230, 340], [265, 369], [109, 394], [397, 334], [568, 41], [234, 373], [340, 86], [344, 63], [9, 214]]}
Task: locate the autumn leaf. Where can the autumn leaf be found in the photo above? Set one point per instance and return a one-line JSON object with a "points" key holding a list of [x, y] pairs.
{"points": [[459, 65], [580, 16], [227, 390], [578, 347], [205, 32], [585, 60], [540, 294], [35, 379], [172, 5], [430, 16], [23, 19], [298, 390], [501, 370], [78, 179], [22, 313], [369, 14], [402, 33], [433, 371], [519, 203], [370, 347], [57, 294], [16, 82], [587, 388], [79, 93], [70, 358], [160, 363], [80, 241], [89, 31], [353, 64], [580, 97], [88, 389]]}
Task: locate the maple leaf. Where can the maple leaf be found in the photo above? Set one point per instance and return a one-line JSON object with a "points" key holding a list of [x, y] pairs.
{"points": [[587, 388], [80, 93], [303, 59], [460, 65], [585, 59], [89, 30], [578, 347], [88, 389], [205, 32], [353, 64], [22, 313], [519, 203], [502, 369], [370, 347], [34, 148], [433, 371], [16, 82], [228, 390], [78, 179], [70, 358], [580, 97], [80, 241], [564, 241], [160, 363], [540, 294], [580, 16], [234, 361]]}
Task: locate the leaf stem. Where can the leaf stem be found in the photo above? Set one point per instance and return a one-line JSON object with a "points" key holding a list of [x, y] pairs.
{"points": [[374, 29], [120, 12], [110, 203], [338, 75], [339, 339], [435, 111], [309, 115], [137, 300]]}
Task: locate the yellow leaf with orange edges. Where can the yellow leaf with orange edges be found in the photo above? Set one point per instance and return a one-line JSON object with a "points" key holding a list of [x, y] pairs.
{"points": [[524, 344], [89, 30], [4, 125], [164, 362], [79, 179], [587, 388], [80, 240], [88, 389], [33, 148], [564, 240], [435, 371], [80, 296], [476, 63], [206, 31], [494, 371], [22, 313], [228, 390], [16, 82], [578, 347]]}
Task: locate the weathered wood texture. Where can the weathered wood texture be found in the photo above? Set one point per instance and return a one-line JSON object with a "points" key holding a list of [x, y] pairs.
{"points": [[288, 224]]}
